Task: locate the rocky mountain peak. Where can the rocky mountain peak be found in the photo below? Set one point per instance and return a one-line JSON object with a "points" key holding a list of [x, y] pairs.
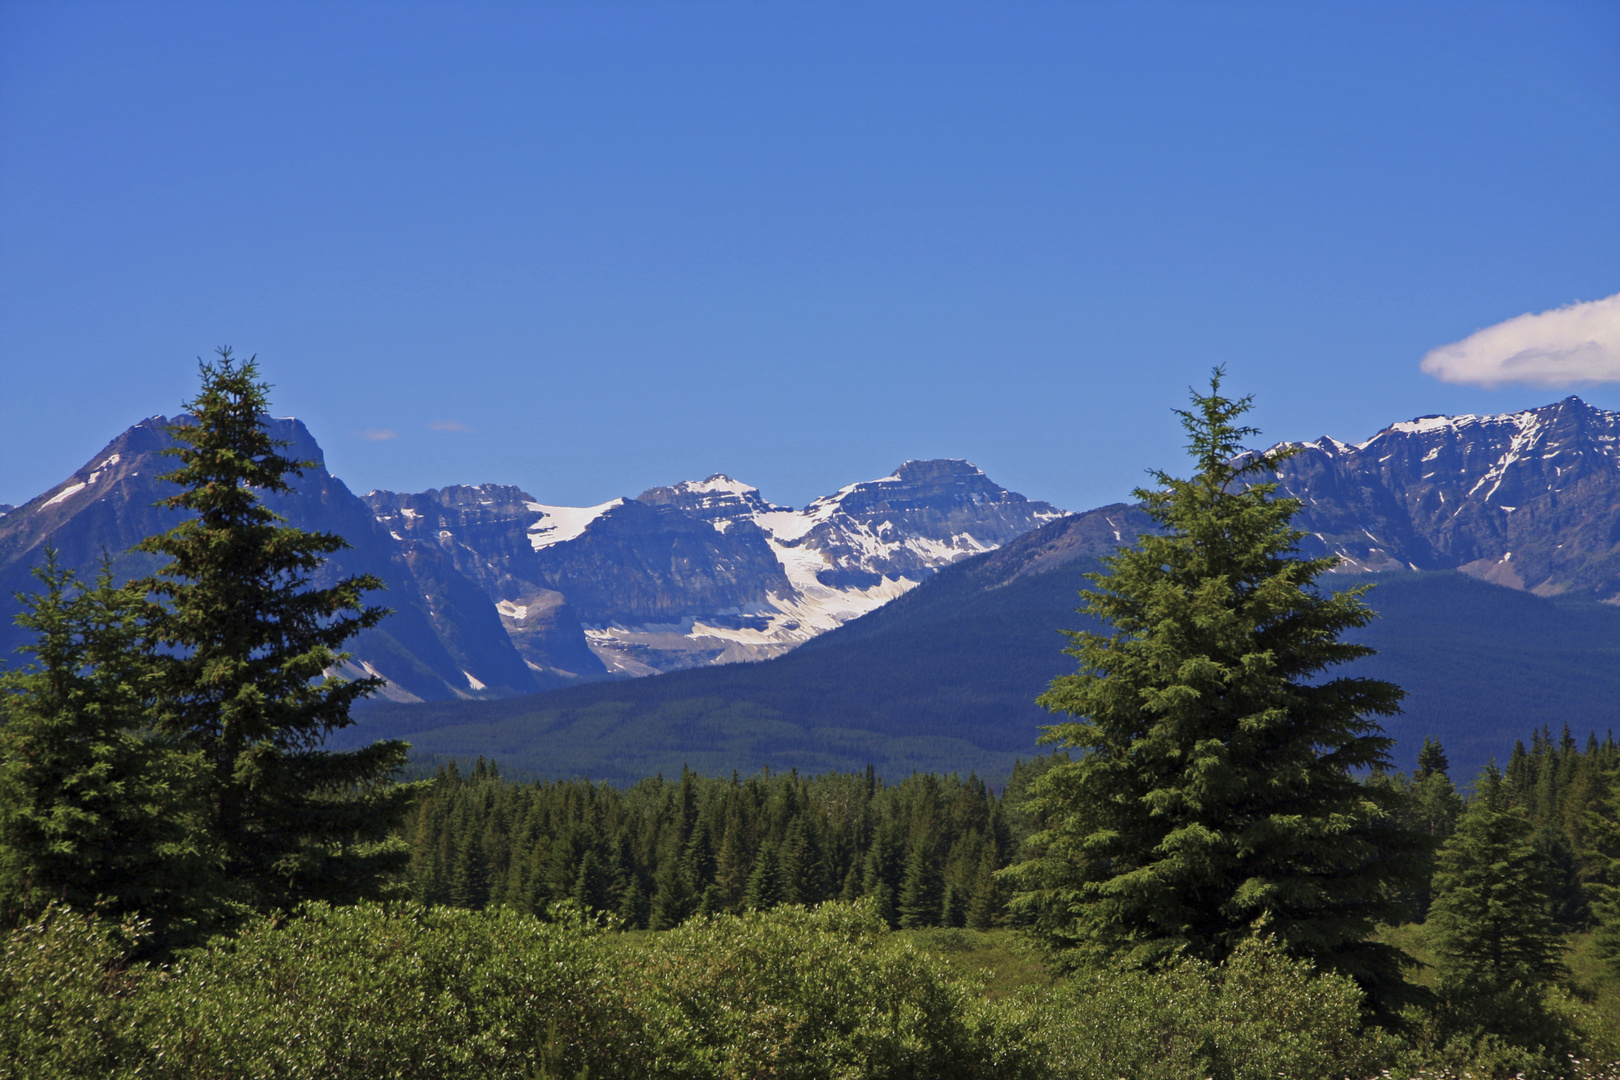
{"points": [[717, 499], [430, 648], [1529, 499]]}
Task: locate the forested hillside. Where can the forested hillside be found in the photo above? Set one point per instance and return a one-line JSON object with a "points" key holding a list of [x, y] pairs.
{"points": [[945, 678]]}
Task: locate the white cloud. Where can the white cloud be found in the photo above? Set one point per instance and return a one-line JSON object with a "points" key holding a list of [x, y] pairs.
{"points": [[380, 434], [1575, 344], [447, 425]]}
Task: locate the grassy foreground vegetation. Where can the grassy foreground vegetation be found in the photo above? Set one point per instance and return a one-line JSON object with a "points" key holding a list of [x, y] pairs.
{"points": [[406, 991]]}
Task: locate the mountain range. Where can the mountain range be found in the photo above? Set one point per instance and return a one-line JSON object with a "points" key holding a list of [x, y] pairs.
{"points": [[496, 594], [703, 572], [1476, 526]]}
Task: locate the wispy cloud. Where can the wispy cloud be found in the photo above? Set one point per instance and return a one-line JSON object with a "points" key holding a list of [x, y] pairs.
{"points": [[380, 434], [447, 425], [1575, 344]]}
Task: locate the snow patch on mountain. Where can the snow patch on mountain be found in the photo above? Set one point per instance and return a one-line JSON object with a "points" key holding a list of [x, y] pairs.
{"points": [[560, 524], [768, 578], [65, 494]]}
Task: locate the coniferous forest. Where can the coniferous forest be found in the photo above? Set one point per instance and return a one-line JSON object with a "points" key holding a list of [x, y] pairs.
{"points": [[1214, 873]]}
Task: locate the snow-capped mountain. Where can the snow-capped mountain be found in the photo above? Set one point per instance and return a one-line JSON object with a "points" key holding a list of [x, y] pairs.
{"points": [[706, 572], [497, 593], [1530, 500]]}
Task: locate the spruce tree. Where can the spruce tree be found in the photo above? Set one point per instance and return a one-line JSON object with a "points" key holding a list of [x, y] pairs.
{"points": [[881, 875], [712, 902], [241, 642], [733, 864], [590, 887], [984, 905], [920, 898], [1498, 946], [633, 906], [95, 809], [1431, 760], [765, 883], [672, 900], [1214, 797], [953, 911], [801, 861], [1492, 918]]}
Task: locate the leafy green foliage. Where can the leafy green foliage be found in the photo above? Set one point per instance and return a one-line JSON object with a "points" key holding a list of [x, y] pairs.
{"points": [[418, 992], [62, 985], [1213, 796], [242, 639], [411, 992], [1261, 1014], [805, 995]]}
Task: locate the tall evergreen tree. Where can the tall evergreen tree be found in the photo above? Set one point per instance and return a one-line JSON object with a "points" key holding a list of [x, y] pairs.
{"points": [[733, 864], [921, 898], [984, 905], [672, 901], [1492, 918], [882, 872], [241, 644], [95, 809], [953, 909], [1431, 760], [801, 863], [765, 883], [1213, 797]]}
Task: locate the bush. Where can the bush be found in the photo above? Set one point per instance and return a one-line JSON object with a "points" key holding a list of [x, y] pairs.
{"points": [[1259, 1015], [398, 991], [806, 995], [62, 990], [1515, 1032]]}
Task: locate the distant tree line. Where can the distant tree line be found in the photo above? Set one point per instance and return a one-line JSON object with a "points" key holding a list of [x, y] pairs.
{"points": [[925, 850]]}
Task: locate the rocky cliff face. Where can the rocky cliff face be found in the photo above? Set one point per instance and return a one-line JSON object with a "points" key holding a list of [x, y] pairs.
{"points": [[1529, 500]]}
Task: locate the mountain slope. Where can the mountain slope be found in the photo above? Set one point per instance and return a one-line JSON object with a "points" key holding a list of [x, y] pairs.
{"points": [[945, 677], [1529, 500], [433, 647], [703, 572]]}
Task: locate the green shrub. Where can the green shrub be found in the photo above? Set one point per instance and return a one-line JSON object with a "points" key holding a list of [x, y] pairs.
{"points": [[1259, 1015], [62, 991], [397, 991], [809, 995], [1515, 1032]]}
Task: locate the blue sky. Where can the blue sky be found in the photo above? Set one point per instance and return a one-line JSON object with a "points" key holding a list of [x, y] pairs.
{"points": [[590, 248]]}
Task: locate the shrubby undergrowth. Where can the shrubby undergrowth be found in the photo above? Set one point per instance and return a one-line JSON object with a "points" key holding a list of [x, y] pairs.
{"points": [[407, 992], [403, 991]]}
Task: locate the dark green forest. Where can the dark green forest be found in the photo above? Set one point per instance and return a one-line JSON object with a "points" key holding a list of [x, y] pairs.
{"points": [[925, 850], [1217, 872]]}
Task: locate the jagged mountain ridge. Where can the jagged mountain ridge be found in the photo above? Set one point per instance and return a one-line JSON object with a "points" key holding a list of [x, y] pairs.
{"points": [[706, 572], [498, 594], [1529, 500]]}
